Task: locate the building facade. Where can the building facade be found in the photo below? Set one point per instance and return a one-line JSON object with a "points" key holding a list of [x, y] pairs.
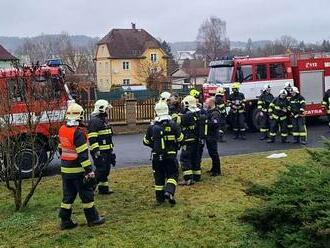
{"points": [[7, 60], [129, 57]]}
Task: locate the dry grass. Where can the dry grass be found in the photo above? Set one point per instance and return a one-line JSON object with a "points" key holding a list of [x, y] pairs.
{"points": [[206, 214]]}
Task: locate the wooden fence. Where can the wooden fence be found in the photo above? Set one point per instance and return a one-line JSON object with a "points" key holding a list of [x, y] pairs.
{"points": [[145, 110]]}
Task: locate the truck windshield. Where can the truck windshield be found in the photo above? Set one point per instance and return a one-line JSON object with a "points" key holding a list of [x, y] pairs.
{"points": [[221, 74]]}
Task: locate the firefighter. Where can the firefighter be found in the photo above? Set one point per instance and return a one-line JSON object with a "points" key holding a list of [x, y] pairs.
{"points": [[199, 97], [297, 109], [221, 106], [213, 125], [278, 111], [164, 137], [76, 169], [236, 102], [288, 87], [100, 141], [175, 108], [264, 101], [326, 104], [189, 157]]}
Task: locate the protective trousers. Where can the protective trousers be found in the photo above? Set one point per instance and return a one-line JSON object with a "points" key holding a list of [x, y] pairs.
{"points": [[277, 124], [238, 122], [212, 148], [222, 128], [264, 123], [102, 171], [299, 130], [72, 187], [190, 160], [166, 173]]}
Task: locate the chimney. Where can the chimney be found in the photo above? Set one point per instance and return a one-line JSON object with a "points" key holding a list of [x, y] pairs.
{"points": [[133, 25]]}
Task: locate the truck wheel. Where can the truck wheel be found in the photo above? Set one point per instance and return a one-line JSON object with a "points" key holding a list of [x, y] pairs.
{"points": [[255, 119]]}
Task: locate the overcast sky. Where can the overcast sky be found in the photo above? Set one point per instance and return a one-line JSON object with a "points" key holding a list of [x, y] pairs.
{"points": [[171, 20]]}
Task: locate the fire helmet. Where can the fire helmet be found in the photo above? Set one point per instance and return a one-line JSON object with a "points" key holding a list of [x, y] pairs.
{"points": [[101, 106], [164, 96], [236, 85], [220, 91], [283, 92], [267, 86], [189, 102], [295, 90], [74, 112], [161, 108], [195, 93]]}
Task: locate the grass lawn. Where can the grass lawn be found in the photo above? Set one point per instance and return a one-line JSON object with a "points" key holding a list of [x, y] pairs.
{"points": [[206, 214]]}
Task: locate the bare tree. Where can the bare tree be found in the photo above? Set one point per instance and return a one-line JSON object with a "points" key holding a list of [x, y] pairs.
{"points": [[28, 105], [212, 38]]}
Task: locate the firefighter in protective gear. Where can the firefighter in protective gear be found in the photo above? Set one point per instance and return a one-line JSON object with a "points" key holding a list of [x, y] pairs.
{"points": [[213, 125], [264, 101], [199, 97], [101, 145], [75, 169], [189, 157], [288, 88], [236, 102], [278, 111], [297, 109], [326, 104], [165, 96], [164, 138], [221, 107], [175, 108]]}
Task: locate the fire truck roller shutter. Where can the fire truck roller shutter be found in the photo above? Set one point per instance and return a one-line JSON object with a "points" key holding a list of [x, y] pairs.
{"points": [[312, 85]]}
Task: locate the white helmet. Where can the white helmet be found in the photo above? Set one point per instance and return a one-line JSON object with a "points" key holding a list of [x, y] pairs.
{"points": [[190, 102], [165, 96], [283, 92], [288, 85], [220, 91], [101, 106], [295, 89], [74, 112], [161, 108], [267, 86]]}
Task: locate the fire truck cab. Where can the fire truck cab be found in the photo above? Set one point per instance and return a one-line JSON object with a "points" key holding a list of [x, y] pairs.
{"points": [[40, 92], [311, 74]]}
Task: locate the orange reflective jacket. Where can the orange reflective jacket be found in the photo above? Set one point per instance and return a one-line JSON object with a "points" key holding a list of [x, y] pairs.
{"points": [[66, 136]]}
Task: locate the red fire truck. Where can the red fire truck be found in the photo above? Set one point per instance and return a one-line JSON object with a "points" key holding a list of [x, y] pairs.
{"points": [[309, 72], [40, 92]]}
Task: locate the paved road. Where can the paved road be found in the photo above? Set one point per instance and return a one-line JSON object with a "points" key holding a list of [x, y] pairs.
{"points": [[131, 152]]}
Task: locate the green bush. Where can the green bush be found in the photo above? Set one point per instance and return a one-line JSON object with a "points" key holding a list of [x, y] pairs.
{"points": [[296, 211]]}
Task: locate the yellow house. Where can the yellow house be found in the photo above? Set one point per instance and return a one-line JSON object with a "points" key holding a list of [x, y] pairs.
{"points": [[129, 57]]}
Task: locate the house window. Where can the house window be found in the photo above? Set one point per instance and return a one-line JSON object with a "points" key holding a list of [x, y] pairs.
{"points": [[106, 67], [126, 81], [153, 57], [125, 65], [244, 73]]}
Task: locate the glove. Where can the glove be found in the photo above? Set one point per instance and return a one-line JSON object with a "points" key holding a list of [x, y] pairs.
{"points": [[90, 180], [261, 113], [113, 159], [97, 154]]}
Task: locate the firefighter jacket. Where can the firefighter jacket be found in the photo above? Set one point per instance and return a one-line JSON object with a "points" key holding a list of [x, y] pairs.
{"points": [[174, 112], [279, 108], [236, 102], [297, 105], [326, 101], [213, 124], [74, 151], [189, 125], [202, 124], [221, 105], [264, 101], [164, 137], [99, 134]]}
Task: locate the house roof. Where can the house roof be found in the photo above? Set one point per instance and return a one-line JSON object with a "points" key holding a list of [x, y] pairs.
{"points": [[192, 72], [128, 43], [5, 55]]}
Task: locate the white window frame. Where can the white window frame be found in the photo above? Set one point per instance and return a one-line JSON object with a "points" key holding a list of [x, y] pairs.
{"points": [[126, 65], [126, 81], [153, 57]]}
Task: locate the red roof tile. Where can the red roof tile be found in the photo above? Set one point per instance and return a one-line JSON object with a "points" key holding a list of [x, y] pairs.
{"points": [[5, 55]]}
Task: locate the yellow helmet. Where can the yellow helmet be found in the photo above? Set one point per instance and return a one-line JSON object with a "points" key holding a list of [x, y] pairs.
{"points": [[161, 108], [74, 112], [220, 91], [101, 106], [236, 85], [195, 93], [189, 102]]}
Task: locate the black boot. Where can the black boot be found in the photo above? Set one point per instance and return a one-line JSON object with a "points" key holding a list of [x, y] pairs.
{"points": [[284, 140], [66, 222], [104, 190], [242, 136], [296, 139], [221, 138], [170, 198], [92, 217], [263, 136], [236, 135], [303, 141], [271, 140]]}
